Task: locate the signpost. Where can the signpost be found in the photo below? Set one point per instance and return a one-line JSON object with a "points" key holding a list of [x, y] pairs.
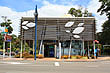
{"points": [[8, 38]]}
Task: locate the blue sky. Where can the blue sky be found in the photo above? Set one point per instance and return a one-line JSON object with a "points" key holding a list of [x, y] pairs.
{"points": [[25, 5], [15, 9]]}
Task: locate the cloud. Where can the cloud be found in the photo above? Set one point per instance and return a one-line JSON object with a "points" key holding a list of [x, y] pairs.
{"points": [[14, 16], [93, 6], [54, 9], [49, 10]]}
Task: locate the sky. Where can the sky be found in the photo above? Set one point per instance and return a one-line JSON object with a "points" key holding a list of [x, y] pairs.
{"points": [[15, 9]]}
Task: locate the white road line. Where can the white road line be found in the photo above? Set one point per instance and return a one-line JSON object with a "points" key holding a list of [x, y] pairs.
{"points": [[93, 66], [57, 64], [41, 65], [105, 62], [14, 63], [26, 64]]}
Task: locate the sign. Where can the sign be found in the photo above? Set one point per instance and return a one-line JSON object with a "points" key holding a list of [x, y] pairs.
{"points": [[3, 30], [3, 33], [6, 30], [7, 38]]}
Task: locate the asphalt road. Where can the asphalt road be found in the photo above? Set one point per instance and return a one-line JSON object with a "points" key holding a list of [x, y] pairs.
{"points": [[54, 67]]}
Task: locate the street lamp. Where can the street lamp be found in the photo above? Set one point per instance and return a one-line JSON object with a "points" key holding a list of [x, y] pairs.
{"points": [[36, 17]]}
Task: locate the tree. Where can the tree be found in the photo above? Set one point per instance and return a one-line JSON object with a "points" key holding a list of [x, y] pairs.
{"points": [[75, 12], [1, 43], [7, 23], [15, 42], [104, 36], [105, 8], [79, 13], [87, 14]]}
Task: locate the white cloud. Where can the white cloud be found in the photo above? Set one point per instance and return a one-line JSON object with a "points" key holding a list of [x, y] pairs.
{"points": [[48, 10], [54, 9], [14, 16], [93, 7]]}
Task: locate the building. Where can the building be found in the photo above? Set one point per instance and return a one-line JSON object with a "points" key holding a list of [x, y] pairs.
{"points": [[51, 31]]}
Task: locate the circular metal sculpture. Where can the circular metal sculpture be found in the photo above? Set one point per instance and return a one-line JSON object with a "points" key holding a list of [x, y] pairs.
{"points": [[25, 22], [30, 25], [69, 24], [76, 36], [67, 31], [24, 27], [80, 24], [78, 30]]}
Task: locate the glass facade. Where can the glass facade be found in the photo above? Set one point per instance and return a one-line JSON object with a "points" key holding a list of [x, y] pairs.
{"points": [[76, 47]]}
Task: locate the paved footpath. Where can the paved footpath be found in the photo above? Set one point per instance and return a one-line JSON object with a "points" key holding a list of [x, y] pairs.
{"points": [[60, 60]]}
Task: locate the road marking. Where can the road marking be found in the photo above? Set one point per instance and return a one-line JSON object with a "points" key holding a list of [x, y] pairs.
{"points": [[105, 62], [26, 64], [57, 64], [14, 63], [41, 65], [93, 66]]}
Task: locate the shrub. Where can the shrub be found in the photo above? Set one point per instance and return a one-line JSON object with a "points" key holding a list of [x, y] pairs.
{"points": [[24, 55], [84, 57], [40, 56], [78, 56], [64, 57], [17, 56], [73, 57]]}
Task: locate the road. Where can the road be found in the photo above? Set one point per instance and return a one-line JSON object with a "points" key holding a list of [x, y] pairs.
{"points": [[54, 67]]}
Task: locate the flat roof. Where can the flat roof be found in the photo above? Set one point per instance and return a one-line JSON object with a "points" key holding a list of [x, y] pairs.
{"points": [[52, 18], [59, 17]]}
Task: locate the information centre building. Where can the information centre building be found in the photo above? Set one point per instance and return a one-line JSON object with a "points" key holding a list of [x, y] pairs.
{"points": [[58, 36]]}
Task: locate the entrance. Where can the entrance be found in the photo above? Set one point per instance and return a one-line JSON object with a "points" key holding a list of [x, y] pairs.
{"points": [[49, 50]]}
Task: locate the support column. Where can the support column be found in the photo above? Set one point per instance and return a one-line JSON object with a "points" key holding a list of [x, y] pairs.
{"points": [[55, 50], [40, 47], [88, 50], [10, 49], [70, 49], [24, 45], [83, 47], [59, 50], [3, 49], [43, 50], [21, 49], [94, 48], [33, 47]]}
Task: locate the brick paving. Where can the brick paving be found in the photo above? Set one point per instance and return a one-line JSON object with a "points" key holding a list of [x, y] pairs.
{"points": [[60, 60]]}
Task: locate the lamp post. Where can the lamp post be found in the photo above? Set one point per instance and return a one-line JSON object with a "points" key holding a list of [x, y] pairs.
{"points": [[36, 16]]}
